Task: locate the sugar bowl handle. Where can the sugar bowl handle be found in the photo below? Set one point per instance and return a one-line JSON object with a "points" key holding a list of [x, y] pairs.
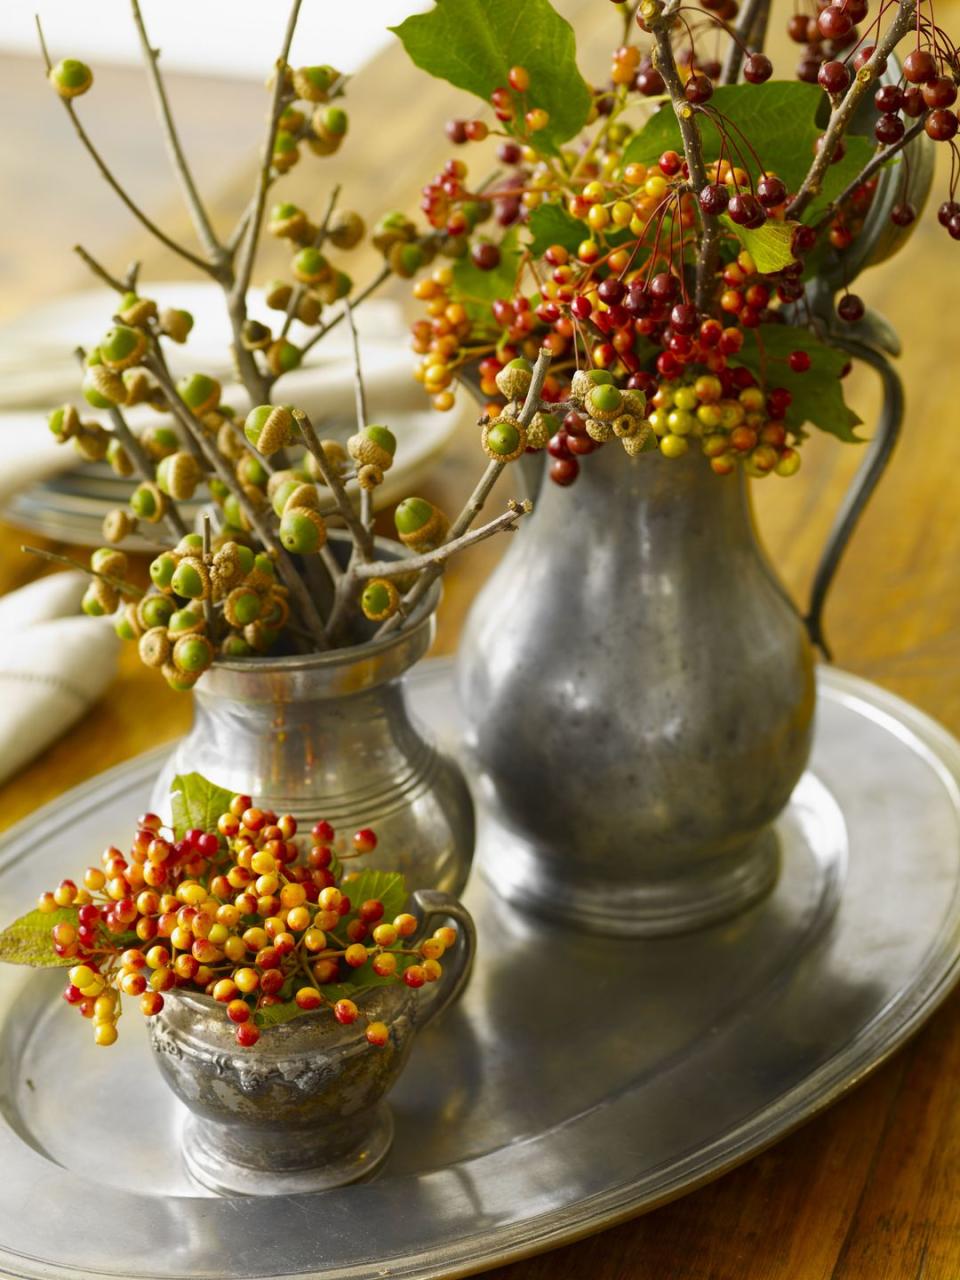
{"points": [[433, 908]]}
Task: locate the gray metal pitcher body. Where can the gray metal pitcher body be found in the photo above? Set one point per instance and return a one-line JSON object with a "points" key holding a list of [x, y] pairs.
{"points": [[330, 736], [640, 699]]}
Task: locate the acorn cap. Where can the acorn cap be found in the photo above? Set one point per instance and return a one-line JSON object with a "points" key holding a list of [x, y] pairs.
{"points": [[287, 221], [159, 441], [626, 425], [179, 681], [375, 444], [63, 421], [154, 647], [120, 461], [242, 606], [346, 230], [513, 380], [599, 430], [178, 475], [584, 379], [110, 561], [91, 442], [336, 456], [107, 384], [118, 524], [645, 441], [503, 440], [99, 599], [542, 427], [369, 476], [269, 428], [379, 599], [138, 386], [134, 310], [311, 84], [261, 638], [302, 495], [190, 579], [176, 323]]}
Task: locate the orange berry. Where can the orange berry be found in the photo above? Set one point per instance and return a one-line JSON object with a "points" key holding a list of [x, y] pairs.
{"points": [[405, 925], [378, 1033], [345, 1012], [308, 998]]}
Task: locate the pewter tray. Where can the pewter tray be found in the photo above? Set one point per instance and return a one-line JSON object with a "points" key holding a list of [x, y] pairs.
{"points": [[581, 1080]]}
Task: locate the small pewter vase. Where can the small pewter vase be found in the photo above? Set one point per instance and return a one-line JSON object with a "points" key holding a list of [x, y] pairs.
{"points": [[303, 1109], [329, 735]]}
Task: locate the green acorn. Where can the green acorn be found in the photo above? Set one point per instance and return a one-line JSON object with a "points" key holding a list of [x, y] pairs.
{"points": [[103, 389], [162, 570], [339, 285], [303, 531], [584, 379], [178, 475], [282, 356], [330, 124], [136, 311], [311, 84], [176, 323], [234, 646], [513, 380], [190, 579], [186, 621], [179, 681], [122, 347], [154, 647], [286, 151], [148, 502], [199, 393], [120, 461], [309, 266], [193, 654], [70, 78], [420, 525], [269, 427], [503, 440], [126, 624], [379, 599], [287, 221], [99, 599], [110, 561], [242, 606], [158, 442], [278, 294], [392, 228], [154, 611], [603, 401], [375, 444], [118, 524], [405, 260], [191, 544], [64, 422], [644, 441], [346, 230]]}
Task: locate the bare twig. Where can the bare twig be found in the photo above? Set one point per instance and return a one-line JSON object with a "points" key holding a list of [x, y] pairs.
{"points": [[842, 115], [208, 611], [666, 63], [119, 584], [474, 504], [106, 173], [100, 271], [285, 566], [382, 275], [198, 213], [413, 564], [361, 535], [366, 495], [869, 169]]}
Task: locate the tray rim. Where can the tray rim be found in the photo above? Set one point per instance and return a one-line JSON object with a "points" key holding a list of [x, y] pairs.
{"points": [[891, 1027]]}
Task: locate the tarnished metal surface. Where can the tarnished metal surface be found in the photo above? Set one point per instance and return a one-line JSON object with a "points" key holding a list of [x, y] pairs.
{"points": [[580, 1079]]}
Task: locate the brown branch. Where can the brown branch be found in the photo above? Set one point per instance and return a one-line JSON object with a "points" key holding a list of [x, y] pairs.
{"points": [[869, 169], [198, 213], [842, 116], [361, 535], [106, 173], [316, 243], [119, 584], [413, 564], [100, 271]]}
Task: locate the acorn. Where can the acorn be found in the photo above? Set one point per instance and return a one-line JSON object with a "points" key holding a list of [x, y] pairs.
{"points": [[193, 654], [392, 228], [584, 379], [260, 637], [420, 525], [70, 78], [64, 422], [99, 599], [108, 387], [137, 386], [603, 401], [626, 425], [280, 494], [191, 544], [287, 221], [110, 561], [122, 347], [347, 230], [278, 294], [542, 427], [286, 151], [644, 441], [304, 495], [242, 606], [225, 570], [199, 392], [379, 599], [292, 119], [155, 611], [251, 471], [127, 624], [336, 456], [159, 442], [178, 475], [154, 647], [312, 84], [282, 356], [405, 260], [162, 569], [303, 530], [599, 431], [120, 461], [91, 442], [186, 621], [513, 380], [149, 502], [255, 336], [175, 323], [178, 680], [309, 309], [230, 443], [503, 440], [134, 310], [309, 266], [369, 476], [190, 579], [329, 125], [234, 646], [338, 286], [276, 611], [269, 427], [375, 444], [118, 524], [634, 402]]}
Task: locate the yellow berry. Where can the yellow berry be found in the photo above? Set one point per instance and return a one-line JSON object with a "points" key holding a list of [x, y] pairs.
{"points": [[105, 1033]]}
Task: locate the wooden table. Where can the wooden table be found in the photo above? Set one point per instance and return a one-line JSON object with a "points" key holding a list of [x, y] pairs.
{"points": [[871, 1189]]}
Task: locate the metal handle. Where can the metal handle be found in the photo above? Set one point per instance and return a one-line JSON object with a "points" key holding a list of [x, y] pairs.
{"points": [[433, 907], [879, 452]]}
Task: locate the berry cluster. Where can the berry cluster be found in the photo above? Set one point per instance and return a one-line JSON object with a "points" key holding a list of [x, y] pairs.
{"points": [[241, 913]]}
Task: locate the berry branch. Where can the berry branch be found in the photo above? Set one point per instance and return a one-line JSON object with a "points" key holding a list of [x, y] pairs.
{"points": [[876, 163], [842, 115]]}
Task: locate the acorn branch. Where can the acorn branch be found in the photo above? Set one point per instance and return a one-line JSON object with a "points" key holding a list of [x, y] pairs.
{"points": [[119, 584], [506, 522], [361, 535], [316, 243], [200, 263], [198, 213], [842, 115]]}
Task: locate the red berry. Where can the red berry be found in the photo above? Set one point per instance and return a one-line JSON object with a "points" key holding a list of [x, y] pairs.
{"points": [[833, 77], [564, 471], [414, 976], [698, 89], [919, 66], [888, 99], [345, 1012], [799, 361], [941, 92], [757, 68], [322, 832], [941, 124], [248, 1033], [365, 840], [834, 24], [485, 256]]}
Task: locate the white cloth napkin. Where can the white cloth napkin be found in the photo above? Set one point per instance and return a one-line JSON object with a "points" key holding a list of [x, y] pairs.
{"points": [[53, 665]]}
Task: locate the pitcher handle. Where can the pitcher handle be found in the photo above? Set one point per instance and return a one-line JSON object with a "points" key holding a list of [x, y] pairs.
{"points": [[868, 475], [433, 907]]}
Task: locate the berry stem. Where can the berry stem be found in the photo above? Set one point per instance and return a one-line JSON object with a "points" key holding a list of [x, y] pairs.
{"points": [[868, 170], [200, 263], [842, 116], [201, 221]]}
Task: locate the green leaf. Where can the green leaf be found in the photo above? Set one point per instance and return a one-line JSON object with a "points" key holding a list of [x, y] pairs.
{"points": [[197, 803], [388, 886], [551, 224], [474, 43], [477, 289], [818, 393], [28, 940], [768, 246], [779, 119], [275, 1014]]}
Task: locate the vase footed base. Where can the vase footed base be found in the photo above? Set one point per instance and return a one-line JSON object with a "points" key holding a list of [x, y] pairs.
{"points": [[209, 1164], [533, 880]]}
